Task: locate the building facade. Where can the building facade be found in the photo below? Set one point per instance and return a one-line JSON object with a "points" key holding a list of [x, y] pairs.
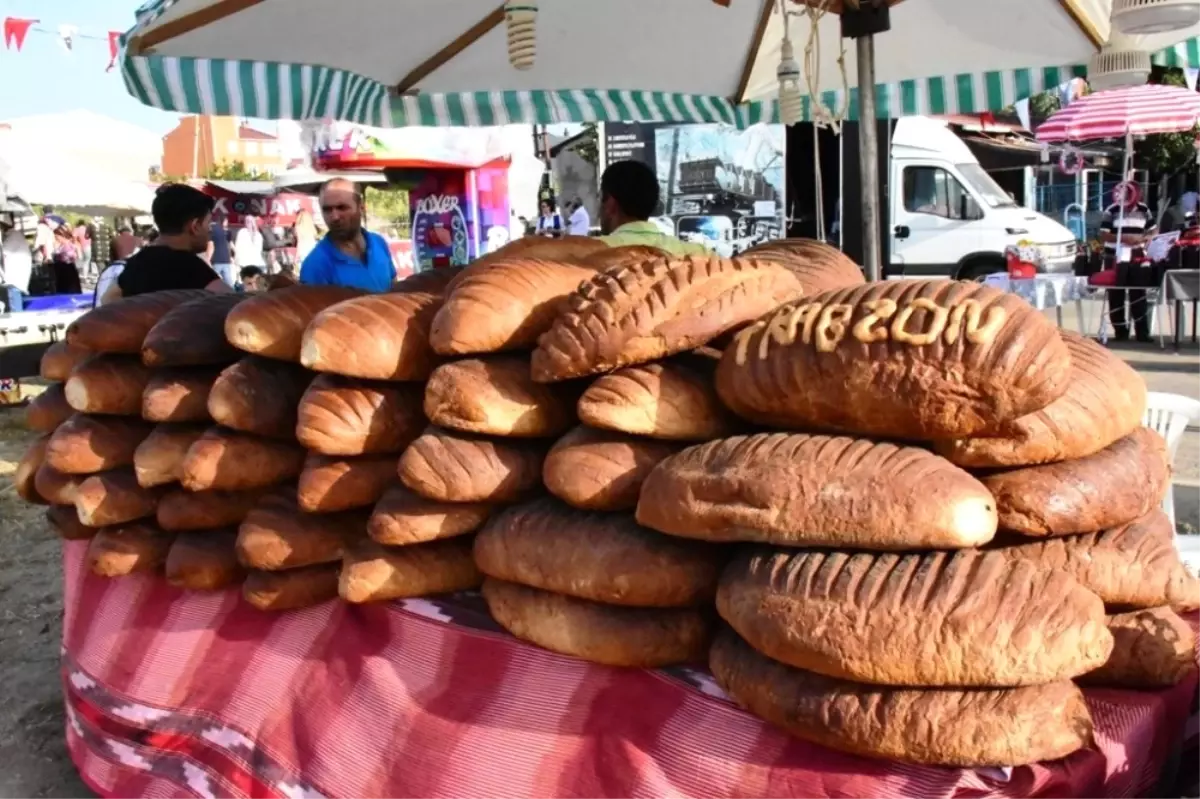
{"points": [[198, 144]]}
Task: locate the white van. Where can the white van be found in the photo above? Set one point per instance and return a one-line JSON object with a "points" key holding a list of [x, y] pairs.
{"points": [[950, 219]]}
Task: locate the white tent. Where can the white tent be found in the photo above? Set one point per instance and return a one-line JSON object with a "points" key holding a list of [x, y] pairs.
{"points": [[105, 144]]}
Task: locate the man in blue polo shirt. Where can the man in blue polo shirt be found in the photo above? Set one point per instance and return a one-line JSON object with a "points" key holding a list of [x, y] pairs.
{"points": [[348, 255]]}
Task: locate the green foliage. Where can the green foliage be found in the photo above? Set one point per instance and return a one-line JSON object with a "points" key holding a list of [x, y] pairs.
{"points": [[588, 148], [388, 208], [1043, 104], [233, 170], [1167, 152]]}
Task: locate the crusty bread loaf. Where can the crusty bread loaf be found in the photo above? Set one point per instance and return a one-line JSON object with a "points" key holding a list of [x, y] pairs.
{"points": [[1152, 648], [114, 497], [1105, 401], [428, 281], [330, 484], [662, 400], [496, 396], [129, 548], [906, 359], [158, 460], [291, 589], [604, 557], [377, 337], [225, 460], [88, 444], [48, 410], [65, 521], [108, 384], [60, 358], [616, 257], [566, 250], [817, 491], [641, 313], [374, 573], [820, 266], [948, 727], [179, 395], [55, 487], [25, 477], [452, 467], [600, 470], [1114, 486], [938, 619], [403, 517], [121, 327], [343, 416], [204, 561], [193, 334], [205, 510], [505, 306], [273, 324], [259, 395], [277, 535]]}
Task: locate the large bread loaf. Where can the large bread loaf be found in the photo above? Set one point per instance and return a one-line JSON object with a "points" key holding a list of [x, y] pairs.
{"points": [[1104, 401], [54, 486], [1115, 485], [277, 535], [108, 384], [158, 460], [604, 557], [330, 484], [964, 619], [114, 497], [121, 327], [906, 359], [644, 638], [193, 334], [617, 257], [178, 395], [817, 491], [204, 561], [259, 396], [88, 444], [820, 266], [662, 400], [205, 510], [434, 281], [599, 470], [225, 460], [403, 517], [273, 324], [25, 477], [374, 573], [343, 416], [658, 308], [129, 549], [566, 250], [946, 727], [496, 396], [378, 337], [1152, 648], [450, 467], [48, 410], [60, 358], [65, 521], [291, 589]]}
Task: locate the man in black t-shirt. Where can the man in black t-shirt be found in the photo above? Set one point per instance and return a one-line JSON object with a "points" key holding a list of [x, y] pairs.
{"points": [[182, 215]]}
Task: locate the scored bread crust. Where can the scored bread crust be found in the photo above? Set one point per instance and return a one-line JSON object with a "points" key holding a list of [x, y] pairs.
{"points": [[158, 460], [226, 460], [179, 395], [1152, 648], [660, 400], [203, 561], [259, 396], [193, 334], [374, 573], [109, 384], [278, 535], [906, 359], [811, 490], [273, 324], [601, 470], [88, 444], [820, 266], [496, 396], [121, 327], [403, 517], [377, 337], [344, 416], [330, 483], [649, 310], [954, 619], [451, 467]]}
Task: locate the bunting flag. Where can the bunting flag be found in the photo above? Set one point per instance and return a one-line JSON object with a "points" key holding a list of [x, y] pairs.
{"points": [[15, 30], [1190, 74], [114, 49], [66, 35]]}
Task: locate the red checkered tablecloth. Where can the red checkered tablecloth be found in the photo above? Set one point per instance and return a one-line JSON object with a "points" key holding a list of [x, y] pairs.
{"points": [[172, 694]]}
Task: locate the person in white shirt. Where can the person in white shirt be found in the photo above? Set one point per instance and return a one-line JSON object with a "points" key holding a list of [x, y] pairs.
{"points": [[43, 239], [248, 245], [18, 259], [580, 222]]}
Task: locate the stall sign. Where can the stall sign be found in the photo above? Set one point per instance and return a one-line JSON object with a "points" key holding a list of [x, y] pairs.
{"points": [[282, 208]]}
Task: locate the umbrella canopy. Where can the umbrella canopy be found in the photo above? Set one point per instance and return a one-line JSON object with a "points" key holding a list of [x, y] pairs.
{"points": [[446, 62], [1136, 111]]}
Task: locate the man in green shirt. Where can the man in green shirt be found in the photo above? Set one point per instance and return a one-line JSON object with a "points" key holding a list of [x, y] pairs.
{"points": [[628, 196]]}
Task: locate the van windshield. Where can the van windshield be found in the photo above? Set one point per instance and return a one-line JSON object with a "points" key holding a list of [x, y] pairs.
{"points": [[987, 188]]}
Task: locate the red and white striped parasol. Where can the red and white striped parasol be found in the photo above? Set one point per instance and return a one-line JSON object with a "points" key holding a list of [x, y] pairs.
{"points": [[1136, 110]]}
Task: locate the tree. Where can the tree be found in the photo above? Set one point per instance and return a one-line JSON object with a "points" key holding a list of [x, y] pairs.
{"points": [[388, 208], [1167, 153], [1043, 104], [588, 147], [233, 170]]}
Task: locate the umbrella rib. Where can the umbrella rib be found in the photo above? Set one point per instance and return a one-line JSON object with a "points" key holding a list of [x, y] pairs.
{"points": [[764, 18], [441, 57], [143, 43]]}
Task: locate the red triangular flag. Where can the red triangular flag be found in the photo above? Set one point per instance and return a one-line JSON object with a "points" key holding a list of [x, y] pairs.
{"points": [[15, 30], [114, 47]]}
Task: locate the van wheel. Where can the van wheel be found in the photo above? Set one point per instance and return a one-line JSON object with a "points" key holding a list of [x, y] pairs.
{"points": [[976, 271]]}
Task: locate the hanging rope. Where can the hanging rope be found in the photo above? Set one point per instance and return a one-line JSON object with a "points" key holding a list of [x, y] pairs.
{"points": [[822, 116]]}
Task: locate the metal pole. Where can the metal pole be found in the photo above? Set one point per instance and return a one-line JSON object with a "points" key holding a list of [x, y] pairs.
{"points": [[868, 156]]}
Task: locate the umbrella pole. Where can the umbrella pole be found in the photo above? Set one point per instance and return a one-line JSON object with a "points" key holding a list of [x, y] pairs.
{"points": [[868, 155]]}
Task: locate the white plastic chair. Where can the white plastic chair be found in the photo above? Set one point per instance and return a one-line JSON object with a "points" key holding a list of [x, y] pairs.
{"points": [[1169, 415]]}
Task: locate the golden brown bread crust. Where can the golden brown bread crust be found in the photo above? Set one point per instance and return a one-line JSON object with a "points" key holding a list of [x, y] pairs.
{"points": [[343, 416], [600, 470], [374, 573], [277, 535], [205, 510], [377, 337], [204, 561], [193, 334], [55, 487], [1114, 486], [65, 521], [259, 396], [948, 619], [121, 327], [88, 444], [1152, 648], [1105, 401], [129, 548], [808, 490], [179, 395], [48, 410], [158, 460], [225, 460], [291, 589], [330, 484], [273, 324], [630, 255], [108, 384], [403, 517], [25, 477], [660, 400], [567, 250], [496, 396], [505, 306], [964, 728], [114, 497], [905, 359], [454, 467], [645, 638], [819, 266], [429, 281], [60, 358], [603, 557], [637, 314]]}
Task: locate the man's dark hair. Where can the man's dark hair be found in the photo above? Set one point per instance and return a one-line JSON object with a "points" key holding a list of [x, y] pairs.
{"points": [[177, 204], [249, 272], [633, 186]]}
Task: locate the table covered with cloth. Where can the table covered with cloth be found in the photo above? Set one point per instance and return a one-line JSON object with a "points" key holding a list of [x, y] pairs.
{"points": [[173, 694]]}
